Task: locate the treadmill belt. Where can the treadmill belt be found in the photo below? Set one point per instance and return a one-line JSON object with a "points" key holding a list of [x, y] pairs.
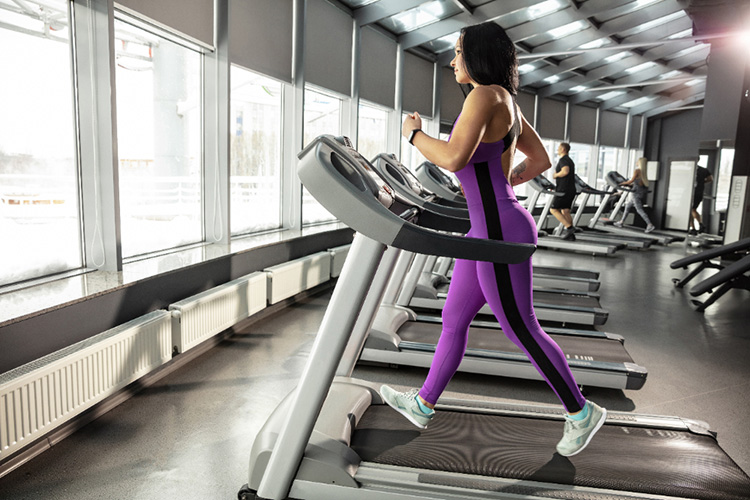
{"points": [[643, 460], [585, 348]]}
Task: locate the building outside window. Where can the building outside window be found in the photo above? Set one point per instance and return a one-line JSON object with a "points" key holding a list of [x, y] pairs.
{"points": [[159, 141], [322, 116], [39, 194], [372, 137], [410, 156], [255, 152]]}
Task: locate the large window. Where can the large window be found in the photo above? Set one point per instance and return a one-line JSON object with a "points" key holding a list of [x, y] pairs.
{"points": [[410, 156], [611, 159], [159, 141], [582, 156], [322, 116], [255, 155], [724, 181], [373, 130], [39, 198]]}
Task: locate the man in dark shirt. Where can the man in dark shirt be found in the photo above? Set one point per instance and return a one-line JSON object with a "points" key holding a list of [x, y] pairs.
{"points": [[565, 178], [702, 177]]}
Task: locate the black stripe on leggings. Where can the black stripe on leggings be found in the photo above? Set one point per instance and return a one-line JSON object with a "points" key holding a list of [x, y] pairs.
{"points": [[508, 299]]}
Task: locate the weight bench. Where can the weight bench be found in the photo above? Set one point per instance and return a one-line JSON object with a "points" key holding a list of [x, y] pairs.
{"points": [[705, 257], [732, 276]]}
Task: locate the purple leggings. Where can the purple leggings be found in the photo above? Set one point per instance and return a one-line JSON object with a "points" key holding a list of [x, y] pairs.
{"points": [[508, 291]]}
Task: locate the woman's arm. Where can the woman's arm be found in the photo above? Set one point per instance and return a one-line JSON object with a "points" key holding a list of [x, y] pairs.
{"points": [[636, 174], [454, 154], [536, 160]]}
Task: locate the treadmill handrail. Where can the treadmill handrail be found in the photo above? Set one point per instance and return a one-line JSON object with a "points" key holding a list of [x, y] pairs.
{"points": [[408, 183], [585, 188], [544, 186], [340, 181]]}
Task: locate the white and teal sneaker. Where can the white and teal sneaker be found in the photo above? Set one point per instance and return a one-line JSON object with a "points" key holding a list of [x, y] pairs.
{"points": [[406, 404], [578, 433]]}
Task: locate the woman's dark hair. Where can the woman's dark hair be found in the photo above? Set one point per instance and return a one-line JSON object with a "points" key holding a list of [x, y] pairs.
{"points": [[490, 56]]}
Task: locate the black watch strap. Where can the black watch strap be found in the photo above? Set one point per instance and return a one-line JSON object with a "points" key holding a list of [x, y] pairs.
{"points": [[413, 134]]}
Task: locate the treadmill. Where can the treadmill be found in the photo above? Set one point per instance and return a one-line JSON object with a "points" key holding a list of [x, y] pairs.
{"points": [[585, 233], [400, 336], [542, 186], [436, 180], [446, 187], [550, 305], [334, 438], [614, 179]]}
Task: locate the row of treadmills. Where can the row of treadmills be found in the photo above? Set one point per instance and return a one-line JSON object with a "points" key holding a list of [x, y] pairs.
{"points": [[333, 437]]}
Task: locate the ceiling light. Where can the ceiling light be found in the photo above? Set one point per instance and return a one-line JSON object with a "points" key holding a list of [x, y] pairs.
{"points": [[544, 8], [578, 88], [640, 67], [639, 101], [672, 74], [617, 56], [595, 44], [451, 39], [552, 79], [681, 34], [657, 22], [420, 16], [525, 68], [610, 95], [567, 29]]}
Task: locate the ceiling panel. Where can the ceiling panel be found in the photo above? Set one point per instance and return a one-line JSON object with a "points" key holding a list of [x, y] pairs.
{"points": [[627, 55]]}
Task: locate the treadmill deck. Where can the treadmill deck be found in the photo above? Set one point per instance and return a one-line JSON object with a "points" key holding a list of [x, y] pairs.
{"points": [[620, 457]]}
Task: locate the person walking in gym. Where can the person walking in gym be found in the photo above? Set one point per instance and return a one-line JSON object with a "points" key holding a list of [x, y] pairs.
{"points": [[639, 181], [702, 177], [565, 174], [480, 151]]}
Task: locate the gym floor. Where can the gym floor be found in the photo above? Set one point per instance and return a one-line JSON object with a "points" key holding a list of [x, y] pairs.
{"points": [[189, 435]]}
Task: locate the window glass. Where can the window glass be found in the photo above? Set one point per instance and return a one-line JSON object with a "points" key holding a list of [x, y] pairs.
{"points": [[612, 159], [581, 154], [159, 143], [255, 152], [410, 156], [322, 116], [373, 130], [724, 181], [39, 197]]}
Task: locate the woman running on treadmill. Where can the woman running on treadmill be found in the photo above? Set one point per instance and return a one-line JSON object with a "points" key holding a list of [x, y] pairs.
{"points": [[639, 181], [480, 151]]}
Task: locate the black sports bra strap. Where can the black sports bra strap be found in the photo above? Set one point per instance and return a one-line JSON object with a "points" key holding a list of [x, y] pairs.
{"points": [[513, 132]]}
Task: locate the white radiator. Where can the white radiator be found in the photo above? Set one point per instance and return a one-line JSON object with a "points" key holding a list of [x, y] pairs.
{"points": [[39, 396], [338, 257], [202, 316], [293, 277]]}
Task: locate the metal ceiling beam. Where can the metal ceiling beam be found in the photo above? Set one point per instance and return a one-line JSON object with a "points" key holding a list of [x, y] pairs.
{"points": [[611, 28], [665, 105], [487, 12], [606, 30], [382, 9], [543, 24], [613, 69], [593, 8]]}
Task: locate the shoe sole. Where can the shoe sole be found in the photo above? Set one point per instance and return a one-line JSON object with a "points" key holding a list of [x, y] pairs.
{"points": [[402, 411], [588, 440]]}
